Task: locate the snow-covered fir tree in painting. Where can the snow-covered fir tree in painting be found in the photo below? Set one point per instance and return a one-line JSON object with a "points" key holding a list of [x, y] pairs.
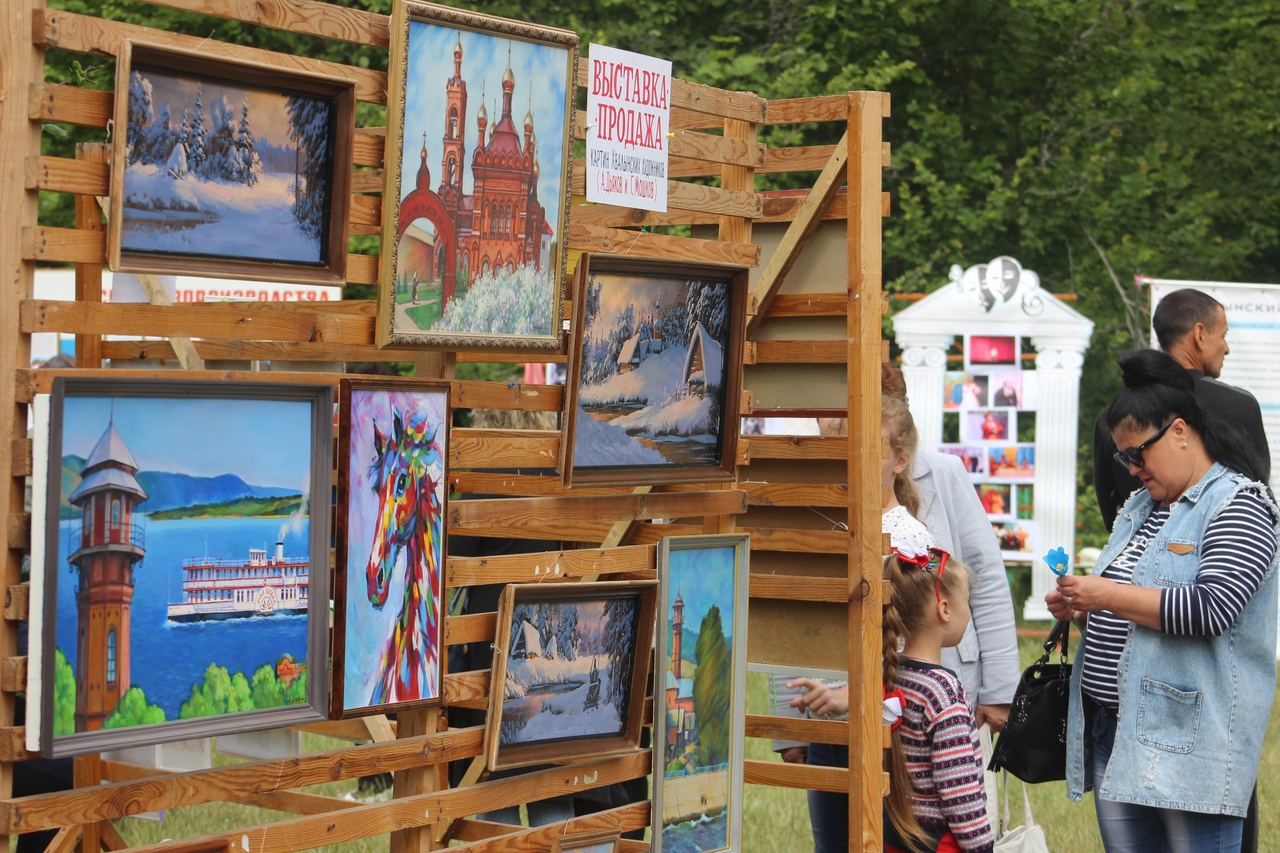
{"points": [[222, 170], [569, 669], [651, 385]]}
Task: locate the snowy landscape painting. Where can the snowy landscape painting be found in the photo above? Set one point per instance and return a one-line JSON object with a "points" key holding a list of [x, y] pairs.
{"points": [[568, 674], [698, 716], [655, 372], [476, 182], [393, 446], [220, 169]]}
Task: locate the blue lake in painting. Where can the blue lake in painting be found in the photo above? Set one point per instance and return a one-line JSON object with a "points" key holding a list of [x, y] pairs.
{"points": [[168, 658]]}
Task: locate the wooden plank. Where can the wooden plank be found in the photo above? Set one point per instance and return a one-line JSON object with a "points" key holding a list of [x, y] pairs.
{"points": [[87, 773], [468, 689], [366, 181], [766, 287], [362, 821], [346, 322], [522, 568], [794, 447], [866, 784], [514, 395], [489, 837], [799, 541], [796, 494], [589, 238], [686, 196], [354, 730], [157, 296], [362, 269], [20, 450], [67, 104], [13, 746], [504, 448], [43, 811], [18, 533], [63, 245], [795, 352], [794, 588], [111, 838], [63, 175], [13, 674], [821, 108], [326, 20], [368, 147], [518, 512], [522, 485], [697, 97], [90, 212], [813, 778], [16, 599], [294, 802], [87, 34], [806, 305], [216, 350], [800, 158], [796, 728], [414, 781], [472, 628], [65, 840], [708, 148]]}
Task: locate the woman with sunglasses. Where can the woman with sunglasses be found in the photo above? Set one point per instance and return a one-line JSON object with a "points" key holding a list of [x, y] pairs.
{"points": [[1172, 686]]}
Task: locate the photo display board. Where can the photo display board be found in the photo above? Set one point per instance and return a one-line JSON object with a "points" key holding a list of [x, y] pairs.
{"points": [[989, 424]]}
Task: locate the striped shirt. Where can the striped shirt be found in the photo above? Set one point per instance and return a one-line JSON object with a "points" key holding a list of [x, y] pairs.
{"points": [[1237, 547], [943, 757]]}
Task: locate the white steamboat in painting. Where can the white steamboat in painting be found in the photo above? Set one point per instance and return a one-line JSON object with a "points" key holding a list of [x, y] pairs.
{"points": [[259, 586]]}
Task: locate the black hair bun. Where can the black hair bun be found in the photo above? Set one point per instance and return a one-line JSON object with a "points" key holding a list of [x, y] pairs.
{"points": [[1153, 367]]}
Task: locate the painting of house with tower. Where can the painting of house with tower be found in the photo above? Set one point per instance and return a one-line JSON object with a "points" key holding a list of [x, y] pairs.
{"points": [[701, 671], [181, 565], [475, 247]]}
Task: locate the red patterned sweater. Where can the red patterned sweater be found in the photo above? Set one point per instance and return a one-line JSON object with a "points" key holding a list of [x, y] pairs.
{"points": [[943, 757]]}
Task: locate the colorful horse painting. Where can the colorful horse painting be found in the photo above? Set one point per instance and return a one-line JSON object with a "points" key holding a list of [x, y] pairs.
{"points": [[407, 547]]}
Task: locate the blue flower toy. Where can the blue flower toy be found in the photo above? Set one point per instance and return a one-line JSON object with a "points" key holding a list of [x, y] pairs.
{"points": [[1058, 561]]}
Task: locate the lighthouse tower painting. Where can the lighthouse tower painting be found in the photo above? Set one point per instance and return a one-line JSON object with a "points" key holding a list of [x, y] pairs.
{"points": [[170, 607]]}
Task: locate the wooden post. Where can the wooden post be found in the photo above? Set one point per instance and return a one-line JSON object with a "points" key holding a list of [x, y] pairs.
{"points": [[89, 276], [866, 830], [87, 773], [19, 138]]}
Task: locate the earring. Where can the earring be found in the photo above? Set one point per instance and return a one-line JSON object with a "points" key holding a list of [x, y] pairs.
{"points": [[1184, 445]]}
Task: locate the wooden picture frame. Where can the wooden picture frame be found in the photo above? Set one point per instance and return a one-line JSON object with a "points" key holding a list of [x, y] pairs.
{"points": [[388, 654], [468, 260], [266, 193], [544, 634], [698, 732], [593, 841], [158, 490], [691, 314]]}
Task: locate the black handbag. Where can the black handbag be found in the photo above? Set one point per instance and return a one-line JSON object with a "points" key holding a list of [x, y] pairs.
{"points": [[1033, 744]]}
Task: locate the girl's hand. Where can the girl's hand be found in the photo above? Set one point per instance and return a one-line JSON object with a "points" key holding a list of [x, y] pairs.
{"points": [[820, 699]]}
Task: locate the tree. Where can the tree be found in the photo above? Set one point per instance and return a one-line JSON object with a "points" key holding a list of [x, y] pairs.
{"points": [[141, 112], [250, 164], [219, 693], [196, 150], [133, 709], [221, 160], [266, 689], [619, 645], [64, 695], [711, 686], [309, 120]]}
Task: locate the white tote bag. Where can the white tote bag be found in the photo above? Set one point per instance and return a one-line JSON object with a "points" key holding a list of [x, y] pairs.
{"points": [[1028, 838], [989, 782]]}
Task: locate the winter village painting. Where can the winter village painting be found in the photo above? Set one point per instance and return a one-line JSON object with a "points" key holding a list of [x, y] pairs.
{"points": [[698, 713], [388, 600], [179, 593], [569, 681], [221, 169], [655, 372], [476, 194]]}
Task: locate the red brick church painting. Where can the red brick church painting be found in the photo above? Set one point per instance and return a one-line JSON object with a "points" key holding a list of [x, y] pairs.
{"points": [[475, 255]]}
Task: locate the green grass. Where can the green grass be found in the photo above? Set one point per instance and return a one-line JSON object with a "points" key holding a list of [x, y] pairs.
{"points": [[238, 508]]}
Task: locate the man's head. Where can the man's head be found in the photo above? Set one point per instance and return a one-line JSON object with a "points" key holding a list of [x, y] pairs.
{"points": [[1191, 326]]}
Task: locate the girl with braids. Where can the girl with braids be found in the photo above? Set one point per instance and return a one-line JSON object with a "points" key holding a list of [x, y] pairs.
{"points": [[921, 566]]}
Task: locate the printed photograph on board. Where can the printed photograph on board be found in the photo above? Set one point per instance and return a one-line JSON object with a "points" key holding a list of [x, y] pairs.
{"points": [[476, 199], [1006, 389], [964, 390], [986, 425], [997, 498], [991, 350], [1015, 537], [182, 564], [389, 592], [1012, 460], [974, 459]]}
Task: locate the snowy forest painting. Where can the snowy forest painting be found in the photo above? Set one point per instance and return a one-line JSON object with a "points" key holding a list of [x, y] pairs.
{"points": [[656, 372], [569, 675], [698, 735], [217, 169]]}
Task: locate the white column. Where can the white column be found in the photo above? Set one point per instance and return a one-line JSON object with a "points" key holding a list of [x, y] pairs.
{"points": [[1058, 362], [924, 360]]}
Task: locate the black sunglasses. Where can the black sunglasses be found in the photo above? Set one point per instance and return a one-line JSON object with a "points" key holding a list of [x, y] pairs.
{"points": [[1133, 455]]}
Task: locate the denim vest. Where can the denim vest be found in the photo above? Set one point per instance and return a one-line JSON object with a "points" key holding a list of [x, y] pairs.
{"points": [[1193, 710]]}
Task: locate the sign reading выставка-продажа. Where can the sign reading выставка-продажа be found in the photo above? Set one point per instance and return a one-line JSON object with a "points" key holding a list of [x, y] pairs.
{"points": [[628, 112]]}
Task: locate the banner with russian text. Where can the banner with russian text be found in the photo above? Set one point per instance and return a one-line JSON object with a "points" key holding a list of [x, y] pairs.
{"points": [[628, 112]]}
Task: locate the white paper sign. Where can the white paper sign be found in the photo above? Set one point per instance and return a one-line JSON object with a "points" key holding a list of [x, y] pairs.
{"points": [[628, 112]]}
